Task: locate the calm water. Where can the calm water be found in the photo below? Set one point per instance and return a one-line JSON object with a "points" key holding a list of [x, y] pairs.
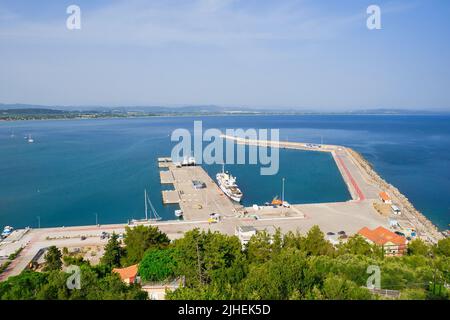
{"points": [[81, 167]]}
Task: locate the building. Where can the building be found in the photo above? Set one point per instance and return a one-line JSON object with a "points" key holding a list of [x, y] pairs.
{"points": [[392, 243], [396, 210], [385, 198], [158, 290], [128, 274], [244, 233]]}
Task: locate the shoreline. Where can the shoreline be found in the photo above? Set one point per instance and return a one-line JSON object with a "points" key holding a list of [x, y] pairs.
{"points": [[421, 222]]}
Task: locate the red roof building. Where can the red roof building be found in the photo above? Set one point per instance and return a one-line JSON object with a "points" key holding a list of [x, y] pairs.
{"points": [[128, 274], [392, 243], [385, 197]]}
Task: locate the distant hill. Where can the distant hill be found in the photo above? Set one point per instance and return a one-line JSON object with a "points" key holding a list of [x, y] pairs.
{"points": [[202, 109]]}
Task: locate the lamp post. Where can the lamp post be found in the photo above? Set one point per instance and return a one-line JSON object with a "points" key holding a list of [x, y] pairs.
{"points": [[39, 221], [282, 190], [96, 218]]}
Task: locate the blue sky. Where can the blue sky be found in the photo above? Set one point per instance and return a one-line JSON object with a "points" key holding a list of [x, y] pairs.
{"points": [[305, 54]]}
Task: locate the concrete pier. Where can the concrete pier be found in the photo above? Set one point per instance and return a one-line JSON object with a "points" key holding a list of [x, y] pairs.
{"points": [[196, 203]]}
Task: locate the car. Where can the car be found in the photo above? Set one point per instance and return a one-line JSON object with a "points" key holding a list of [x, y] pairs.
{"points": [[83, 238], [341, 232], [330, 233], [400, 233]]}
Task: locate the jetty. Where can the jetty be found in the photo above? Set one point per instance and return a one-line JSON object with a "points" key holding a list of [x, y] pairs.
{"points": [[199, 197]]}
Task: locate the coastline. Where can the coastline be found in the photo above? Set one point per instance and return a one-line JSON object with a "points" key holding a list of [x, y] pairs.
{"points": [[420, 221], [422, 224]]}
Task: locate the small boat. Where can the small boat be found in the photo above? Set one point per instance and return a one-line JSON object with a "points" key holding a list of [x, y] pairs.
{"points": [[178, 213], [30, 139], [276, 202], [191, 161], [7, 231]]}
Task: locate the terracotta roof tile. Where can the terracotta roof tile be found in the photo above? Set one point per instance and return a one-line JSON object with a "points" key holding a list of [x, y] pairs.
{"points": [[128, 272], [384, 196], [382, 236]]}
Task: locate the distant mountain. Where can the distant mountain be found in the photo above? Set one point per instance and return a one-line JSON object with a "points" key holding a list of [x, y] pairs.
{"points": [[209, 109]]}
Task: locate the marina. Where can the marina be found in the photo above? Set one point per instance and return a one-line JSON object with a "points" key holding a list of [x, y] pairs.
{"points": [[202, 204]]}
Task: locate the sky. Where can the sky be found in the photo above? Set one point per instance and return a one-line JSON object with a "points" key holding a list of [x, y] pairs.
{"points": [[305, 54]]}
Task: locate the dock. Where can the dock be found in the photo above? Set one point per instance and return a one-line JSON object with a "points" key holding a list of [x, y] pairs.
{"points": [[170, 197], [196, 203], [166, 176], [199, 200]]}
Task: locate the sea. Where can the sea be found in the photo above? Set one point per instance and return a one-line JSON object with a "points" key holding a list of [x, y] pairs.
{"points": [[80, 172]]}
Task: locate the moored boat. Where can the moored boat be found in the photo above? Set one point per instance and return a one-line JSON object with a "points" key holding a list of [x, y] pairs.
{"points": [[227, 183]]}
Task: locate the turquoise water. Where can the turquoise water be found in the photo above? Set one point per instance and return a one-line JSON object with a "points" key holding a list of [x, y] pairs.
{"points": [[78, 168]]}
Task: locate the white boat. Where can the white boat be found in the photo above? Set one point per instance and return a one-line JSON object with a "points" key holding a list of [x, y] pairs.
{"points": [[30, 139], [154, 216], [191, 161], [227, 183], [178, 213], [7, 231]]}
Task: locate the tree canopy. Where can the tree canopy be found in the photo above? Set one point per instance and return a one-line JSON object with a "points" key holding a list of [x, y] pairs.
{"points": [[53, 259], [139, 239]]}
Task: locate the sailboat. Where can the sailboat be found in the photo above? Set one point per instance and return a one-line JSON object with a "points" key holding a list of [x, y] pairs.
{"points": [[30, 139], [154, 216]]}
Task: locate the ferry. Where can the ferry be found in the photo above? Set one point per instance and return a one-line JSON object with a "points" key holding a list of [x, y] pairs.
{"points": [[227, 183]]}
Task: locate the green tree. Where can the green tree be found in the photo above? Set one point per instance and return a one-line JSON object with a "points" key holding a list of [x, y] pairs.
{"points": [[356, 245], [141, 238], [53, 259], [315, 243], [113, 252], [338, 288], [23, 286], [443, 247], [259, 248], [418, 247], [203, 257], [157, 264]]}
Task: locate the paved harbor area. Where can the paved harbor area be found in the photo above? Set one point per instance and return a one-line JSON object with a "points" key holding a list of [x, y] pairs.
{"points": [[198, 203]]}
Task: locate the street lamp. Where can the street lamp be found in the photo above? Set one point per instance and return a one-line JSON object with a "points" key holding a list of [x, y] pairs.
{"points": [[39, 221], [96, 218], [282, 191]]}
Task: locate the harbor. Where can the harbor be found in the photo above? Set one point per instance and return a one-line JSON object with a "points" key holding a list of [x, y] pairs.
{"points": [[204, 205]]}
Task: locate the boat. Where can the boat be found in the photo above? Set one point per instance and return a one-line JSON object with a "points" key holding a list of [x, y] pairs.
{"points": [[191, 161], [178, 213], [154, 216], [7, 231], [276, 201], [227, 183], [30, 139]]}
